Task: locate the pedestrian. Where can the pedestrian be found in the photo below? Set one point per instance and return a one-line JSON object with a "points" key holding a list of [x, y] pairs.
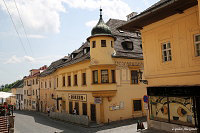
{"points": [[48, 110], [74, 111]]}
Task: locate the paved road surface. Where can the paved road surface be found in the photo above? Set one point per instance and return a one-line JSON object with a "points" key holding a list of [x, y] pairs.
{"points": [[34, 122]]}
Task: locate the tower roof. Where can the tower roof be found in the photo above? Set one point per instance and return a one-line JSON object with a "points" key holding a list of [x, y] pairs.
{"points": [[101, 27]]}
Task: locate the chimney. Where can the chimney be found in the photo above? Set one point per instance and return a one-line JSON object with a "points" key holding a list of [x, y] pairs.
{"points": [[130, 16]]}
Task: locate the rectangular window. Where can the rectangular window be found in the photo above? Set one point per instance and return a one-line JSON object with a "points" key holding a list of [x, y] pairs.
{"points": [[134, 77], [95, 76], [84, 108], [49, 84], [197, 45], [75, 80], [93, 44], [63, 80], [113, 76], [33, 81], [104, 76], [111, 44], [83, 78], [41, 85], [45, 84], [69, 80], [36, 81], [57, 82], [33, 92], [24, 92], [54, 84], [137, 105], [166, 52], [103, 43]]}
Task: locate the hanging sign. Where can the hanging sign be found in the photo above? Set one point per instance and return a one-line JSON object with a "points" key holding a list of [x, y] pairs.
{"points": [[97, 100]]}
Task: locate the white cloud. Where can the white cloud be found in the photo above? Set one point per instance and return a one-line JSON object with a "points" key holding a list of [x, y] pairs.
{"points": [[28, 59], [37, 15], [111, 8], [91, 23], [14, 59]]}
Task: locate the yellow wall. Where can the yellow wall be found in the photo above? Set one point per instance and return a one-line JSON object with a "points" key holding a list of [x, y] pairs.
{"points": [[33, 95], [96, 55], [179, 29]]}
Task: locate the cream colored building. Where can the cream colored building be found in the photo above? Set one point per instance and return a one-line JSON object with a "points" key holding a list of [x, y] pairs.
{"points": [[171, 47], [31, 89], [101, 79]]}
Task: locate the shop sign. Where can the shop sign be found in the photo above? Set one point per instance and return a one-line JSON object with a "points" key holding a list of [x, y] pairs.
{"points": [[97, 100], [112, 108], [78, 97]]}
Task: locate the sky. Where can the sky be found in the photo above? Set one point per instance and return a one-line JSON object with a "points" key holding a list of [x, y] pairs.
{"points": [[43, 31]]}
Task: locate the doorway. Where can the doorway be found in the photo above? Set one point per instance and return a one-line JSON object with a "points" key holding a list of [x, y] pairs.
{"points": [[77, 108], [93, 112]]}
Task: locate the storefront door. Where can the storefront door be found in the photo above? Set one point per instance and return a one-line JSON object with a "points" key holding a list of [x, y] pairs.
{"points": [[93, 112]]}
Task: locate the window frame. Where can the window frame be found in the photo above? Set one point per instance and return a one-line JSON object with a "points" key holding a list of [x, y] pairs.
{"points": [[113, 74], [83, 78], [93, 76], [102, 76], [168, 51], [195, 46], [75, 80], [93, 44], [134, 105], [103, 43], [69, 80], [134, 80], [63, 81]]}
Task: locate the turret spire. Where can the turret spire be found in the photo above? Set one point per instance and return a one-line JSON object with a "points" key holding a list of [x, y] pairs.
{"points": [[100, 13]]}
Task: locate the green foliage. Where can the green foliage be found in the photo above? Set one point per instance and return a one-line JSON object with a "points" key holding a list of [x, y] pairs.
{"points": [[7, 87]]}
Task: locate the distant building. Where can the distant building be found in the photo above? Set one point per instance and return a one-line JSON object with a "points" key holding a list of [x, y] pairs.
{"points": [[101, 79], [31, 89], [17, 91], [171, 46]]}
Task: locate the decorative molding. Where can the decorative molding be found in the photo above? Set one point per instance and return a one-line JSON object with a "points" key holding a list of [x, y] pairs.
{"points": [[126, 64]]}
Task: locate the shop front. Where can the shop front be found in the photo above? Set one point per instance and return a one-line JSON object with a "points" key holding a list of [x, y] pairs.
{"points": [[177, 106]]}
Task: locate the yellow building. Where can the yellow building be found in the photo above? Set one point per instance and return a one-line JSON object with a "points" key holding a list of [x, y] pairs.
{"points": [[100, 79], [170, 39], [31, 89]]}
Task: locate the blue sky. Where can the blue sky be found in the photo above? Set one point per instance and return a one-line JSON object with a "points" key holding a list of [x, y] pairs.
{"points": [[54, 29]]}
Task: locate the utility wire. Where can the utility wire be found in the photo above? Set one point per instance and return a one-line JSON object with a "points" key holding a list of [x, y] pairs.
{"points": [[15, 27], [23, 27]]}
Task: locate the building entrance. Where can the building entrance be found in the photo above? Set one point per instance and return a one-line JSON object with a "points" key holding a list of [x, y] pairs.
{"points": [[93, 112]]}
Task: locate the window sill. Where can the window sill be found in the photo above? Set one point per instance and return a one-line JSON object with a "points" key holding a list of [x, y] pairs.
{"points": [[102, 83], [84, 85]]}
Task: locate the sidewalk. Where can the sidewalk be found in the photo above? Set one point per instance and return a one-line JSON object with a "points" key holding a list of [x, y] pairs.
{"points": [[131, 129]]}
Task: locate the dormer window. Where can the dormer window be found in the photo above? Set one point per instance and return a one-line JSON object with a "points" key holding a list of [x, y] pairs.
{"points": [[121, 31], [84, 51], [73, 55], [127, 45]]}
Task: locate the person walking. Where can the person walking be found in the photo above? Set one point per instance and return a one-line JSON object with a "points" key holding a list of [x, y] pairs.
{"points": [[48, 111], [74, 111]]}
